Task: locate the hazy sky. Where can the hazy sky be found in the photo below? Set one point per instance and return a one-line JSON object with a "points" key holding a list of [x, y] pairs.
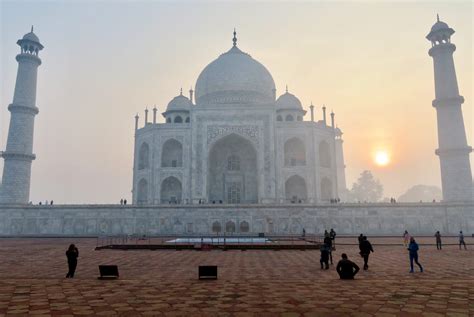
{"points": [[104, 61]]}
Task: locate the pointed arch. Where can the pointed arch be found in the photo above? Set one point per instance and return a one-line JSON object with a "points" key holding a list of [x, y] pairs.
{"points": [[171, 191], [295, 189], [178, 119], [326, 189], [144, 156], [289, 117], [142, 194], [324, 154], [172, 154], [295, 152]]}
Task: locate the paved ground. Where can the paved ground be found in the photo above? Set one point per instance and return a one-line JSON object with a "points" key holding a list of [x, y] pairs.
{"points": [[251, 283]]}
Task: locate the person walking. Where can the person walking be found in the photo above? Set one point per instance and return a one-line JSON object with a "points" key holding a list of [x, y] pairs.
{"points": [[406, 238], [72, 254], [327, 241], [360, 238], [326, 234], [324, 259], [346, 268], [461, 240], [413, 253], [438, 240], [365, 249], [332, 235]]}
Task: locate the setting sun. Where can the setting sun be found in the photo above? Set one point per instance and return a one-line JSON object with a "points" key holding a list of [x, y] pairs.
{"points": [[382, 158]]}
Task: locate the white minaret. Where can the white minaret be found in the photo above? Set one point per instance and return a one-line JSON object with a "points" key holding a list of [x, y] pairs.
{"points": [[15, 188], [341, 167], [453, 150]]}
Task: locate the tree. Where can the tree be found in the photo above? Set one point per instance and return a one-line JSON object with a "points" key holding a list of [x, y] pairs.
{"points": [[421, 192], [367, 188]]}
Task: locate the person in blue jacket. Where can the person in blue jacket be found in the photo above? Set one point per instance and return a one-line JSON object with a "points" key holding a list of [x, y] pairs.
{"points": [[413, 251]]}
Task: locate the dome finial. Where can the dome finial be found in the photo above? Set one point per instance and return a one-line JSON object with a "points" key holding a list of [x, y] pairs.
{"points": [[437, 17], [234, 39], [32, 29]]}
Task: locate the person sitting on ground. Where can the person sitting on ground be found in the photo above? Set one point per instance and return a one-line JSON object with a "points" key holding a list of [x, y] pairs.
{"points": [[365, 248], [324, 256], [346, 268], [413, 252]]}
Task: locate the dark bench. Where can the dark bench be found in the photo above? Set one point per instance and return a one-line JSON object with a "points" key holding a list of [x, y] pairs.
{"points": [[108, 272], [208, 272]]}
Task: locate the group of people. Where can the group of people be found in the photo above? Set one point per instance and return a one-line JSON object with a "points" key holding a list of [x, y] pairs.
{"points": [[123, 201], [329, 244], [439, 246]]}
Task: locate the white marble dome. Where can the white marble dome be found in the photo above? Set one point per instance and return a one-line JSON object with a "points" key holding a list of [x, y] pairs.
{"points": [[179, 103], [235, 77], [288, 101]]}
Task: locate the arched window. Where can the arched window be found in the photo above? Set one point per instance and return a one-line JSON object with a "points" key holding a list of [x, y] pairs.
{"points": [[171, 191], [230, 226], [295, 152], [244, 226], [289, 117], [187, 120], [295, 189], [168, 120], [279, 118], [216, 227], [326, 189], [234, 192], [172, 154], [144, 156], [178, 119], [233, 163], [324, 155], [142, 192]]}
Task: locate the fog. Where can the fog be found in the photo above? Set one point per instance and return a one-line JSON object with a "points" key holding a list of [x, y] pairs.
{"points": [[104, 62]]}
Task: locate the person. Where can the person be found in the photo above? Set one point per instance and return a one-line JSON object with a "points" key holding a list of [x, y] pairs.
{"points": [[461, 240], [124, 201], [72, 254], [359, 238], [413, 252], [406, 238], [326, 234], [438, 240], [327, 241], [332, 235], [52, 202], [346, 268], [121, 201], [304, 233], [365, 248], [324, 256]]}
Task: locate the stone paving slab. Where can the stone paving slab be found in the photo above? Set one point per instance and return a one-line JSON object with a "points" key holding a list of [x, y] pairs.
{"points": [[251, 283]]}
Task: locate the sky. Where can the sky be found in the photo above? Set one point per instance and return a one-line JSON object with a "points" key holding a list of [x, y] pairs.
{"points": [[104, 61]]}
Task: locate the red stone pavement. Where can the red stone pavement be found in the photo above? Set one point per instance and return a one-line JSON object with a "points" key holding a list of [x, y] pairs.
{"points": [[251, 283]]}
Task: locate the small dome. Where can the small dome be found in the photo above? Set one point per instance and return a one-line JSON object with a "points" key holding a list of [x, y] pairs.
{"points": [[338, 132], [179, 103], [439, 25], [31, 37], [288, 101]]}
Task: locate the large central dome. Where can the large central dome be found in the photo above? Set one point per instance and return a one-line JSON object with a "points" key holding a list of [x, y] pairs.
{"points": [[235, 77]]}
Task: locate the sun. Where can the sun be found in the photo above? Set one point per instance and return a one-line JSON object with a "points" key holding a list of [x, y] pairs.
{"points": [[382, 158]]}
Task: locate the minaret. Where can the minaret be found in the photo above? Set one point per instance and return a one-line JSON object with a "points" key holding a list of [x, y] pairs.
{"points": [[341, 167], [15, 188], [453, 150]]}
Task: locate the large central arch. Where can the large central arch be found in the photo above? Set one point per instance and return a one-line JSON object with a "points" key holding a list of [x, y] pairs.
{"points": [[232, 171]]}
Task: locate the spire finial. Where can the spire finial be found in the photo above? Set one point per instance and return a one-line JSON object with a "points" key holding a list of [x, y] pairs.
{"points": [[32, 29], [234, 39], [286, 88], [437, 17]]}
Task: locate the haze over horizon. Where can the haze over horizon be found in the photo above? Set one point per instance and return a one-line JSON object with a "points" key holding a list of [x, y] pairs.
{"points": [[103, 62]]}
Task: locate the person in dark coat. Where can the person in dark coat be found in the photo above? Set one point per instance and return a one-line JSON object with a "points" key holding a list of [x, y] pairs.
{"points": [[72, 254], [365, 248], [327, 241], [346, 268], [438, 240], [324, 260], [332, 235], [413, 252], [360, 238]]}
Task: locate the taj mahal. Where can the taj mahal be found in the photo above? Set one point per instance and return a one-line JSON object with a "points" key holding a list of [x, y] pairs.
{"points": [[234, 157], [237, 143]]}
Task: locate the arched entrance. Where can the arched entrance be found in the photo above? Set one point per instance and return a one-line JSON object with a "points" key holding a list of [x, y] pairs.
{"points": [[326, 189], [295, 189], [142, 195], [171, 191], [232, 171]]}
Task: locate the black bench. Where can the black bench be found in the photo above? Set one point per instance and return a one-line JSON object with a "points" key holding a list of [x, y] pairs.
{"points": [[108, 272], [208, 272]]}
